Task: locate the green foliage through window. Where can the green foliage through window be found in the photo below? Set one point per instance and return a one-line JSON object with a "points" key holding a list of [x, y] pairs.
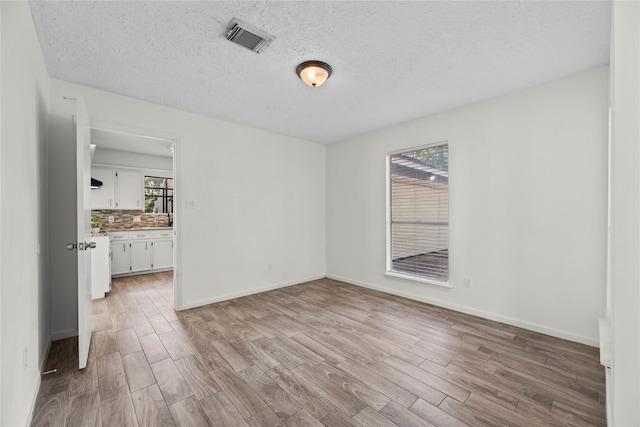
{"points": [[158, 194]]}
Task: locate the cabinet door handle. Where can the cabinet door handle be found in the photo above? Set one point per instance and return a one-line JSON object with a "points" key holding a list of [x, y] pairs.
{"points": [[123, 247], [146, 245]]}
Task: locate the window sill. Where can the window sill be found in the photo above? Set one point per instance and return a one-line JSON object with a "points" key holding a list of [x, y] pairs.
{"points": [[418, 279]]}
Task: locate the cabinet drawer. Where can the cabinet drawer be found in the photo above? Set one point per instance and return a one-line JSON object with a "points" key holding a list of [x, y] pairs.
{"points": [[140, 235], [162, 234], [118, 236]]}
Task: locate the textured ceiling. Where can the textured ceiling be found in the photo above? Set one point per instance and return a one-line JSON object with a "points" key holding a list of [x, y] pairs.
{"points": [[393, 61]]}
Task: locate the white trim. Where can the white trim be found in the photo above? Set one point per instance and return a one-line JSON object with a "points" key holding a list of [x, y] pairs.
{"points": [[582, 339], [66, 333], [418, 147], [418, 279], [35, 396], [140, 273], [177, 224], [233, 295], [134, 168], [132, 130]]}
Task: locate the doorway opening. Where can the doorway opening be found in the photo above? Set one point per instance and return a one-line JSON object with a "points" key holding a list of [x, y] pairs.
{"points": [[133, 207]]}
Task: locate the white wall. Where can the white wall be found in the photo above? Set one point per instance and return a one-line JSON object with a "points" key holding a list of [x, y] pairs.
{"points": [[23, 225], [147, 162], [260, 199], [528, 193], [625, 215]]}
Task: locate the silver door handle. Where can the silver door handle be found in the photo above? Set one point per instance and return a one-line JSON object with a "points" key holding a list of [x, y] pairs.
{"points": [[89, 245], [78, 246]]}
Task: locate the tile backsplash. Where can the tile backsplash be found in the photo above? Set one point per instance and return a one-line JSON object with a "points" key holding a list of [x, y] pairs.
{"points": [[123, 219]]}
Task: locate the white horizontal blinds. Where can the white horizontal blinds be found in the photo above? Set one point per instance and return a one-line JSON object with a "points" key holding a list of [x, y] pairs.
{"points": [[420, 212]]}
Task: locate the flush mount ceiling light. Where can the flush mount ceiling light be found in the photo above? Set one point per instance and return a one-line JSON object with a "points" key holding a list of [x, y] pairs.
{"points": [[314, 73]]}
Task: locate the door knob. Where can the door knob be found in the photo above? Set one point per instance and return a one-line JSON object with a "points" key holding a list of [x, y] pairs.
{"points": [[71, 246], [89, 245]]}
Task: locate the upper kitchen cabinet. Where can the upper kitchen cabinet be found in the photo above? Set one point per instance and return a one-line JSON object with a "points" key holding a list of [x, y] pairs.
{"points": [[130, 190], [103, 197], [121, 189]]}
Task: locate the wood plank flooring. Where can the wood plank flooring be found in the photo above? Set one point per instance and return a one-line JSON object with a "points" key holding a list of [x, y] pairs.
{"points": [[319, 353]]}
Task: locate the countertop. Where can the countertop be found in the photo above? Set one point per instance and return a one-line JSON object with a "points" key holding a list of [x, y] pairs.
{"points": [[106, 233]]}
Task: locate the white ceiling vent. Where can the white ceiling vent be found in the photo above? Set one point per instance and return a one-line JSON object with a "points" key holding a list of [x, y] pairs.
{"points": [[248, 36]]}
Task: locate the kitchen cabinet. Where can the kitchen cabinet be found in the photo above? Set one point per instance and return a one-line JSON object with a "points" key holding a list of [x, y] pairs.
{"points": [[103, 197], [130, 190], [120, 259], [162, 247], [100, 267], [140, 249], [121, 189]]}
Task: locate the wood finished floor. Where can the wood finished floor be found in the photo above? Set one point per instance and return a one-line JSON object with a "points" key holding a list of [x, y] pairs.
{"points": [[319, 353]]}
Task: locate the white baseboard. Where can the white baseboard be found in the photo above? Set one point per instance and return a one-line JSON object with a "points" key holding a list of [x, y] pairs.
{"points": [[66, 333], [558, 333], [34, 400], [225, 297]]}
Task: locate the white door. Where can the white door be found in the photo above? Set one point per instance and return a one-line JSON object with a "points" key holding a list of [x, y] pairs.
{"points": [[83, 188]]}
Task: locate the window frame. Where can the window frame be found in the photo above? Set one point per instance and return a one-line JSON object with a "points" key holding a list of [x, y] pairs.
{"points": [[165, 196], [388, 222]]}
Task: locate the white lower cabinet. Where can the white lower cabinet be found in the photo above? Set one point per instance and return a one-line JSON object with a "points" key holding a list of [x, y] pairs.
{"points": [[162, 249], [140, 256], [120, 259], [141, 251], [162, 254], [140, 247]]}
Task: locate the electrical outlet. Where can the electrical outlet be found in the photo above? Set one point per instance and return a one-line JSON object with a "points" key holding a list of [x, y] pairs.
{"points": [[467, 282], [112, 219], [25, 360]]}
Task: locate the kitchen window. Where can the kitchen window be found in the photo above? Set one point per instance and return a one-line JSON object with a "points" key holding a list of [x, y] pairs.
{"points": [[158, 194], [418, 214]]}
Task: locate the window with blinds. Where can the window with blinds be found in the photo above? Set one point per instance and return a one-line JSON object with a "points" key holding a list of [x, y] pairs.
{"points": [[419, 213]]}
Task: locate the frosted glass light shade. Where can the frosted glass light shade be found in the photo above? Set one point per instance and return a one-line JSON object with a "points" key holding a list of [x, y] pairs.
{"points": [[314, 73]]}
